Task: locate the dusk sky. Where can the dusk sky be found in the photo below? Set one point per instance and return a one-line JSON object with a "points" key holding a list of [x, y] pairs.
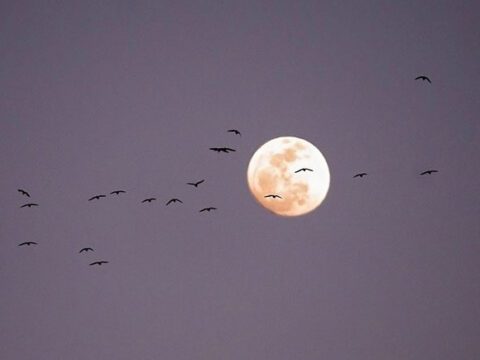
{"points": [[97, 96]]}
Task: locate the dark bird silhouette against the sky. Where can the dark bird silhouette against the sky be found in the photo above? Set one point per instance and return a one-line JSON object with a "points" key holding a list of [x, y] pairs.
{"points": [[303, 169], [28, 243], [99, 262], [273, 196], [235, 131], [174, 201], [149, 200], [85, 249], [360, 175], [23, 192], [222, 149], [118, 192], [429, 172], [97, 197], [29, 205], [196, 183], [424, 78], [208, 209]]}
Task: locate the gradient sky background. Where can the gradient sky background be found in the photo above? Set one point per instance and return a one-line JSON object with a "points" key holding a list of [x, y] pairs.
{"points": [[100, 95]]}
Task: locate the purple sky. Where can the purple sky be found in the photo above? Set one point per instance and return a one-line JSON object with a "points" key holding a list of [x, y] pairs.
{"points": [[100, 95]]}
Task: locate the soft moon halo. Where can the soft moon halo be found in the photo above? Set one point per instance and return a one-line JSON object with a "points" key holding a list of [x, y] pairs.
{"points": [[271, 171]]}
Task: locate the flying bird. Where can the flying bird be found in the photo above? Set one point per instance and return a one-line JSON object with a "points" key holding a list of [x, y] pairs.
{"points": [[303, 169], [208, 209], [429, 172], [28, 205], [235, 131], [23, 192], [149, 200], [118, 192], [87, 249], [99, 262], [222, 149], [97, 197], [273, 196], [173, 201], [424, 78], [28, 243], [196, 183], [360, 175]]}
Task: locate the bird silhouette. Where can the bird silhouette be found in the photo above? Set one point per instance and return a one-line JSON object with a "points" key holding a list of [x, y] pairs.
{"points": [[424, 78], [235, 131], [303, 169], [118, 192], [23, 192], [86, 249], [208, 209], [222, 149], [28, 205], [28, 243], [360, 175], [429, 172], [196, 183], [97, 197], [149, 200], [99, 262], [173, 201], [273, 196]]}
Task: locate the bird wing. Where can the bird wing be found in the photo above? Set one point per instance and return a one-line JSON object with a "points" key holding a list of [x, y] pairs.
{"points": [[92, 198], [201, 181]]}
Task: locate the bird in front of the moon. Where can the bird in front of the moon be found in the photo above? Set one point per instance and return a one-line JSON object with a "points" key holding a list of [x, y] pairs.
{"points": [[274, 168], [273, 196], [303, 169]]}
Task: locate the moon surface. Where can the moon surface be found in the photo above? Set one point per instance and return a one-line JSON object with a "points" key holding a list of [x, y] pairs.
{"points": [[274, 170]]}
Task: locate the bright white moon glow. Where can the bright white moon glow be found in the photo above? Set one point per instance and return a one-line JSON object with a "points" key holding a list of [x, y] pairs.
{"points": [[272, 171]]}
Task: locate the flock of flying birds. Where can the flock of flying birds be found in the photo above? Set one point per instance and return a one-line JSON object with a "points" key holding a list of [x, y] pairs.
{"points": [[119, 192], [194, 184]]}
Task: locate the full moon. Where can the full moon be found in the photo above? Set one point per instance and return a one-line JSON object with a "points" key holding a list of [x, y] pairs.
{"points": [[289, 176]]}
